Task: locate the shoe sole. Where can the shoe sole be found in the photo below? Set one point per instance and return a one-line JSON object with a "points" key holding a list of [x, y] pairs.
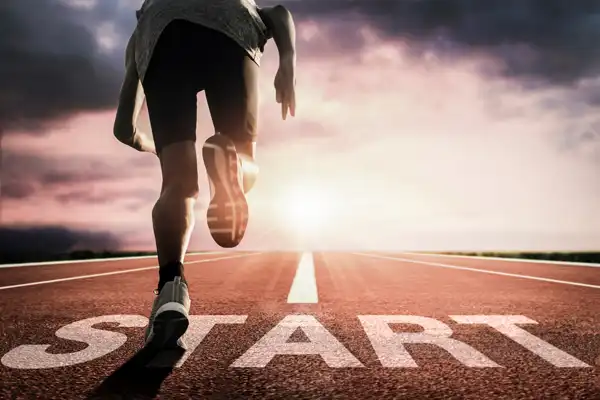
{"points": [[170, 324], [227, 214]]}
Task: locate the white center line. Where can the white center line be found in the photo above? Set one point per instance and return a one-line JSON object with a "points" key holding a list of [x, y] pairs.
{"points": [[485, 271], [304, 286], [125, 271]]}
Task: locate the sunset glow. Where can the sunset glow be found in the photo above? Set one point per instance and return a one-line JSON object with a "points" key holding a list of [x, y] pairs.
{"points": [[307, 209]]}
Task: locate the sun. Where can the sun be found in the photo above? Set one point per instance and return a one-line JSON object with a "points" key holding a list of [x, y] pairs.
{"points": [[306, 208]]}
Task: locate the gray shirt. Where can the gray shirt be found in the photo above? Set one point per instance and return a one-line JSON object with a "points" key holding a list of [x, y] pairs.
{"points": [[238, 19]]}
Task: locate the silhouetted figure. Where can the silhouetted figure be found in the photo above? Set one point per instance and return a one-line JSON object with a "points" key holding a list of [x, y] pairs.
{"points": [[179, 48]]}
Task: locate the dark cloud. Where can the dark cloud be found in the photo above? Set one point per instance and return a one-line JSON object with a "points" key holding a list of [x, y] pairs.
{"points": [[141, 197], [555, 41], [51, 66], [589, 93], [24, 175], [585, 143], [53, 240], [16, 190]]}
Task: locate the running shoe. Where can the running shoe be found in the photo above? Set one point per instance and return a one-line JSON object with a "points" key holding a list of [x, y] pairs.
{"points": [[227, 214]]}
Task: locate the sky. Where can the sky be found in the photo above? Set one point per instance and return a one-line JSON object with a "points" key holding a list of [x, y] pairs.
{"points": [[421, 125]]}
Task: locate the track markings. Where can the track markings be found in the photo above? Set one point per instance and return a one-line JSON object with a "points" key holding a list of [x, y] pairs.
{"points": [[485, 271], [95, 260], [508, 259], [390, 346], [304, 286], [125, 271]]}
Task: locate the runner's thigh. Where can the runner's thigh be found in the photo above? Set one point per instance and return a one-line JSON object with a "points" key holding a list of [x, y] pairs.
{"points": [[171, 84], [232, 92]]}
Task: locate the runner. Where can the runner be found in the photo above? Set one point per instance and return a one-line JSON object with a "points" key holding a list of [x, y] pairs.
{"points": [[179, 48]]}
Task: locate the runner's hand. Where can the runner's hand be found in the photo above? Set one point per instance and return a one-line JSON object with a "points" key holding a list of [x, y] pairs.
{"points": [[285, 87]]}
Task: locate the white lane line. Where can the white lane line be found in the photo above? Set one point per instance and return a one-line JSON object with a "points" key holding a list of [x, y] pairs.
{"points": [[523, 260], [95, 260], [125, 271], [485, 271], [304, 286]]}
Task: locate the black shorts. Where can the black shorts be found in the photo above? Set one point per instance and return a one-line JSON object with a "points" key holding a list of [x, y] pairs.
{"points": [[187, 59]]}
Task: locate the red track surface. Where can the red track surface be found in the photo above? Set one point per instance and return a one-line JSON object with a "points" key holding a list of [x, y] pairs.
{"points": [[349, 285]]}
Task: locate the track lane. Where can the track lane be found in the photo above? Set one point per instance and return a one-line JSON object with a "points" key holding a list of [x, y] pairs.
{"points": [[567, 272], [31, 315], [348, 286], [567, 318], [34, 273]]}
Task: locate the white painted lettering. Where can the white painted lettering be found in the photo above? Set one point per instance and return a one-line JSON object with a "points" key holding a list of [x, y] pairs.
{"points": [[275, 342], [507, 325], [392, 353], [100, 343], [200, 326]]}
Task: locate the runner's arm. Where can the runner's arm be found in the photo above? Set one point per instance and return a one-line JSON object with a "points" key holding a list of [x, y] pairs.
{"points": [[279, 21], [123, 128]]}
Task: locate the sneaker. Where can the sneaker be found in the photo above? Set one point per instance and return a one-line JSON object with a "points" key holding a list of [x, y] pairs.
{"points": [[227, 214], [169, 318]]}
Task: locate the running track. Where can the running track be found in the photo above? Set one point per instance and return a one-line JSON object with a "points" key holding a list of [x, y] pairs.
{"points": [[269, 303]]}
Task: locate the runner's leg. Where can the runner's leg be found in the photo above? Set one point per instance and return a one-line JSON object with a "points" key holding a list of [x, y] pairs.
{"points": [[232, 96], [171, 87]]}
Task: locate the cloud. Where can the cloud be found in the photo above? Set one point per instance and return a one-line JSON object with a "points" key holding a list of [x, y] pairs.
{"points": [[68, 57], [54, 240], [24, 174], [82, 179], [52, 65], [17, 190], [551, 41]]}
